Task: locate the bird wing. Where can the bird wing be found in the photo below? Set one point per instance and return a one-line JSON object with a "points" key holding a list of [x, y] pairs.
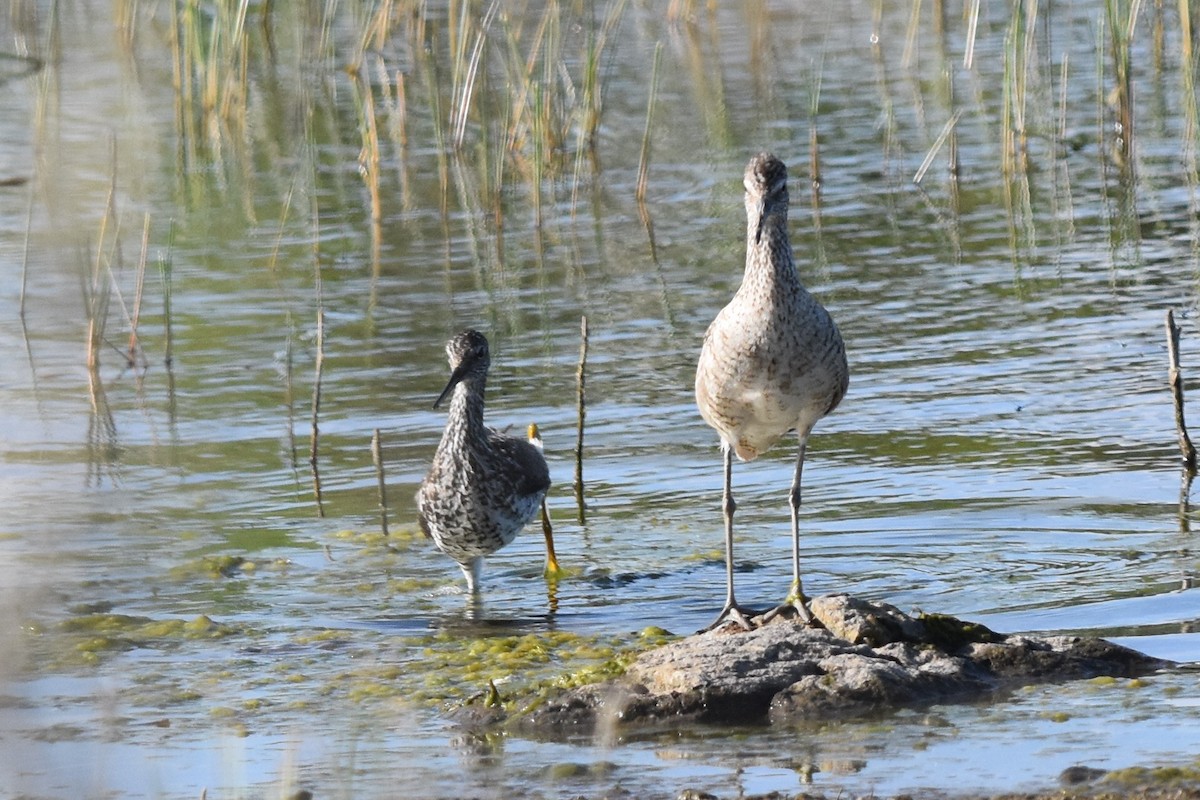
{"points": [[531, 475]]}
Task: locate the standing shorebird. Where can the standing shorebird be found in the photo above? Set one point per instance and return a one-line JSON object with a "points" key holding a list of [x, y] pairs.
{"points": [[772, 362], [483, 486]]}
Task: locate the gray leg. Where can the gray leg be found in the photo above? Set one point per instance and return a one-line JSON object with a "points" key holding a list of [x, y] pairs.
{"points": [[795, 598], [471, 570], [731, 611]]}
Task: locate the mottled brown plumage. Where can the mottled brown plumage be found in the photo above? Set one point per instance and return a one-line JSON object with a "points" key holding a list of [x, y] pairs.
{"points": [[483, 486], [772, 361]]}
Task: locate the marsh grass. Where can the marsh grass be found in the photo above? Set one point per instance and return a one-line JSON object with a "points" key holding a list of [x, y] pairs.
{"points": [[211, 51], [1020, 62], [369, 163]]}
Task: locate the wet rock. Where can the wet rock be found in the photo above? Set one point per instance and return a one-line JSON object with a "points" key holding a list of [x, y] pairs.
{"points": [[869, 658], [1080, 774], [862, 622]]}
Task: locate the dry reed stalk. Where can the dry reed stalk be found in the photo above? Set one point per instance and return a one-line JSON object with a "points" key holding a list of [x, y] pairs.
{"points": [[539, 136], [24, 285], [1121, 37], [947, 129], [97, 294], [911, 36], [183, 47], [524, 81], [164, 274], [581, 414], [368, 164], [289, 392], [316, 410], [1175, 380], [1191, 115], [1185, 38], [1064, 208], [287, 206], [377, 457], [378, 28], [972, 12], [401, 124], [125, 14], [25, 255], [140, 281], [681, 10], [814, 145], [644, 159]]}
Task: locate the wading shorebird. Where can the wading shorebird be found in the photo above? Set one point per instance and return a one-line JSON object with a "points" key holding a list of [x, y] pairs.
{"points": [[772, 362], [483, 486]]}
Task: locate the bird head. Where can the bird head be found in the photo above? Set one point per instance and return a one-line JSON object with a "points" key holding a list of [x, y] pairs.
{"points": [[766, 190], [468, 355]]}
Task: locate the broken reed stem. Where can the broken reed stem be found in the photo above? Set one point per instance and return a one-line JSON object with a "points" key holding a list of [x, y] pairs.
{"points": [[316, 408], [164, 274], [1175, 380], [377, 457], [644, 161], [581, 408], [937, 146]]}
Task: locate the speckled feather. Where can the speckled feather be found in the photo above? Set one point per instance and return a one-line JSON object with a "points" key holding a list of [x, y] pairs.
{"points": [[483, 486], [773, 360]]}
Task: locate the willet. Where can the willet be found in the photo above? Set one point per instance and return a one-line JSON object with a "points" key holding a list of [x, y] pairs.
{"points": [[772, 362], [483, 486]]}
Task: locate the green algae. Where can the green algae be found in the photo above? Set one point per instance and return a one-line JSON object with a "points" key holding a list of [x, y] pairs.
{"points": [[211, 566], [317, 669], [92, 637], [1155, 776], [950, 633]]}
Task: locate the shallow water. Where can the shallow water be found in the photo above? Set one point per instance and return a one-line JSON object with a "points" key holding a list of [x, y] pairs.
{"points": [[1006, 452]]}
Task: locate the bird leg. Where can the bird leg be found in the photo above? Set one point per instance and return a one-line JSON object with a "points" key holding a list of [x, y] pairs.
{"points": [[552, 570], [471, 570], [732, 611], [795, 599]]}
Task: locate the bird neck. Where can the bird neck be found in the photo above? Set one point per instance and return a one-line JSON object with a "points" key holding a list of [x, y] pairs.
{"points": [[466, 409], [769, 253]]}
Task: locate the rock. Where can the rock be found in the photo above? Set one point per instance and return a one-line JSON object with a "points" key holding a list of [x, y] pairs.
{"points": [[1080, 774], [859, 621], [869, 658]]}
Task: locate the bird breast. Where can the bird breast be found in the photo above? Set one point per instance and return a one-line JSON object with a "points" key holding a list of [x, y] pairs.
{"points": [[755, 382]]}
